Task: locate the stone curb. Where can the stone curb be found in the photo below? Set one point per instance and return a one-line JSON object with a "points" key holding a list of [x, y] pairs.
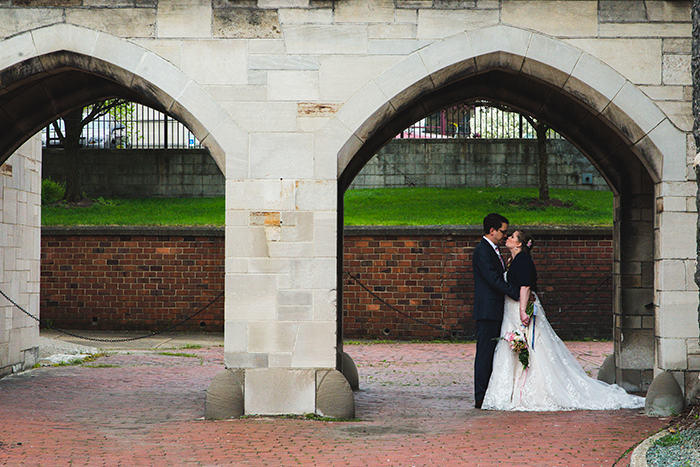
{"points": [[639, 455], [470, 230]]}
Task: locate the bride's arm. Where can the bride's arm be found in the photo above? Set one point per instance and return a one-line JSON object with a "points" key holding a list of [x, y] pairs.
{"points": [[524, 298]]}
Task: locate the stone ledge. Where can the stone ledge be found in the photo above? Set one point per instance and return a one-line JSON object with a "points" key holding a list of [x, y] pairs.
{"points": [[471, 230], [91, 230]]}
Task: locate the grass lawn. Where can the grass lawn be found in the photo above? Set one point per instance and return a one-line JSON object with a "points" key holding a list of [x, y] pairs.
{"points": [[468, 206], [393, 206]]}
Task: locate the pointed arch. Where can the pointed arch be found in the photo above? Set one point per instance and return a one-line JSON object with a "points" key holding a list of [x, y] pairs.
{"points": [[594, 106], [49, 70]]}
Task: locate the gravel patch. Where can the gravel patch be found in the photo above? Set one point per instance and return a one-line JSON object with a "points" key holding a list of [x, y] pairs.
{"points": [[681, 449], [56, 351]]}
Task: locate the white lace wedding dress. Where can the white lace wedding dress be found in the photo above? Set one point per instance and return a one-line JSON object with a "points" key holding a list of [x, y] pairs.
{"points": [[554, 379]]}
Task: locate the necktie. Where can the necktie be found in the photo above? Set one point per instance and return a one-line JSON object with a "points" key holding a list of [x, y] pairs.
{"points": [[501, 258]]}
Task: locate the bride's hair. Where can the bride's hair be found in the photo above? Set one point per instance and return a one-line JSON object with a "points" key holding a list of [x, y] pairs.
{"points": [[525, 240]]}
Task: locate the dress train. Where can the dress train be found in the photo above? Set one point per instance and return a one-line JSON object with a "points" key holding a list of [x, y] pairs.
{"points": [[554, 379]]}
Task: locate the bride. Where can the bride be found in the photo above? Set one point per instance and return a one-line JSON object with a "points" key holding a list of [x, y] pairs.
{"points": [[553, 379]]}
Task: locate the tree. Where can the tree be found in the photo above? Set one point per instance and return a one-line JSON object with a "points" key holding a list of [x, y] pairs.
{"points": [[69, 136], [541, 129]]}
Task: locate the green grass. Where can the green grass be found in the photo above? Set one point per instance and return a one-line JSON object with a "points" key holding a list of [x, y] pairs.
{"points": [[178, 354], [151, 211], [468, 206], [390, 206]]}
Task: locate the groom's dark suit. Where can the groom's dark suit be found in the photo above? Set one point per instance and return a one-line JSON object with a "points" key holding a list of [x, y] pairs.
{"points": [[490, 289]]}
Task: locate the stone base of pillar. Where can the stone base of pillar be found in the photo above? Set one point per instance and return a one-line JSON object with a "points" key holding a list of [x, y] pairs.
{"points": [[279, 391], [607, 370], [664, 397], [349, 370], [225, 396]]}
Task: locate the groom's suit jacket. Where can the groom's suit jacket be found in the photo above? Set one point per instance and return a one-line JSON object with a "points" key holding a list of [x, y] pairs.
{"points": [[490, 288]]}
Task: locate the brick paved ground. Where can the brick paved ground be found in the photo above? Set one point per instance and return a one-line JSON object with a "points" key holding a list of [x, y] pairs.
{"points": [[415, 408]]}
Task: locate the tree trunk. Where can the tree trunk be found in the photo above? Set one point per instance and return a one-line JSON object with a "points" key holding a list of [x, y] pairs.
{"points": [[541, 130], [71, 148]]}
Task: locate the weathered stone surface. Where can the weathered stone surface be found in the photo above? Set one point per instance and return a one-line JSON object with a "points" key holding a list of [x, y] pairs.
{"points": [[243, 23], [276, 391], [225, 396], [616, 11], [350, 371], [664, 397], [607, 370], [334, 396]]}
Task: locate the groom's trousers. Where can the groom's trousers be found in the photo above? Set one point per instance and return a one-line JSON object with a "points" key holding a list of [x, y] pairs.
{"points": [[487, 333]]}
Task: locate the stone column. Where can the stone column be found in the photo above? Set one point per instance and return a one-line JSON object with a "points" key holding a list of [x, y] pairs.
{"points": [[20, 243], [280, 331], [633, 285], [676, 293]]}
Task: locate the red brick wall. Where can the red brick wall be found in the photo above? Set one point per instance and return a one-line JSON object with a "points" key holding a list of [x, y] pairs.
{"points": [[128, 279], [428, 276], [132, 281]]}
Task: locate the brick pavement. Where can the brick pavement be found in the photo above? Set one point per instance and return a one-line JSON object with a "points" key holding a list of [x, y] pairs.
{"points": [[415, 408]]}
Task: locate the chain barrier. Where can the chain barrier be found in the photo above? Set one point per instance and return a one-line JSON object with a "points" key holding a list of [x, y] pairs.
{"points": [[94, 339], [583, 298], [444, 330], [456, 334], [372, 293]]}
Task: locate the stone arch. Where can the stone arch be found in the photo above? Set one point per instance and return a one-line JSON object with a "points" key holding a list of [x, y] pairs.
{"points": [[52, 69], [625, 135]]}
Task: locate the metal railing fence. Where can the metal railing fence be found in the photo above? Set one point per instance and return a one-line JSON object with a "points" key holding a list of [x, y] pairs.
{"points": [[132, 126], [469, 121]]}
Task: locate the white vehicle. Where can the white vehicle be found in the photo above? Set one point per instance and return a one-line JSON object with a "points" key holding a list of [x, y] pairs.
{"points": [[104, 132]]}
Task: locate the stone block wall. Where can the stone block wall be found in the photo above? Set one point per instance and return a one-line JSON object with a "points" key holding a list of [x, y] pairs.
{"points": [[427, 274], [476, 163], [20, 233], [121, 279], [135, 173]]}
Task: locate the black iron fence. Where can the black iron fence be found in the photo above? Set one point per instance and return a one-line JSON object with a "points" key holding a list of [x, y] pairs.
{"points": [[139, 127], [132, 126], [469, 121]]}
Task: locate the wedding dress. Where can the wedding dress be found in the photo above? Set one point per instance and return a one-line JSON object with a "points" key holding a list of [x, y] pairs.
{"points": [[554, 380]]}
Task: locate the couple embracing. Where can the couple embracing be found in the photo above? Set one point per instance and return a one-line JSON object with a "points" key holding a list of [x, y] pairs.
{"points": [[521, 364]]}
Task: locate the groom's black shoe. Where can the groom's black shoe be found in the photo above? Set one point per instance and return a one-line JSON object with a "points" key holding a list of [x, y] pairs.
{"points": [[477, 405]]}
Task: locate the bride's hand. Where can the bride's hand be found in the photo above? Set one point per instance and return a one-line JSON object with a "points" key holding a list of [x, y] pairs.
{"points": [[524, 318]]}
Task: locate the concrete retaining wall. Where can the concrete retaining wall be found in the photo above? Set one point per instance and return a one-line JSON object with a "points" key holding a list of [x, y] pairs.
{"points": [[476, 162], [139, 173]]}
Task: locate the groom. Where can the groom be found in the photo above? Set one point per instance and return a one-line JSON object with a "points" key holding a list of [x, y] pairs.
{"points": [[490, 289]]}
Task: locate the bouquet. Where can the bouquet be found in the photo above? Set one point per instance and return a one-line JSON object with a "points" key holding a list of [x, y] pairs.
{"points": [[516, 340]]}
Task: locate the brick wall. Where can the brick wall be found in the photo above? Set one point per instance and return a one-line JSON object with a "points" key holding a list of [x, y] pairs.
{"points": [[124, 279], [426, 273], [128, 279]]}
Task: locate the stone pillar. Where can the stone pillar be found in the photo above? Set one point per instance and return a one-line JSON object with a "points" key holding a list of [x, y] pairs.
{"points": [[281, 292], [20, 244], [633, 285], [676, 291]]}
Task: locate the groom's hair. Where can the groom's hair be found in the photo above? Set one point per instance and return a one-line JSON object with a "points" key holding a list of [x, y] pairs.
{"points": [[494, 221]]}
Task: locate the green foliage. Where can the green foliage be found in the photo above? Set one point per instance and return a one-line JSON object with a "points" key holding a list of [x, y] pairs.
{"points": [[669, 440], [51, 191], [468, 206]]}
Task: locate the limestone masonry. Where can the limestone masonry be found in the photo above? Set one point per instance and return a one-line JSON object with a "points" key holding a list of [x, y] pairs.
{"points": [[293, 97]]}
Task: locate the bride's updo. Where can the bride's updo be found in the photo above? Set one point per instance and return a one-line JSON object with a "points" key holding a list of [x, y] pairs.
{"points": [[525, 240]]}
